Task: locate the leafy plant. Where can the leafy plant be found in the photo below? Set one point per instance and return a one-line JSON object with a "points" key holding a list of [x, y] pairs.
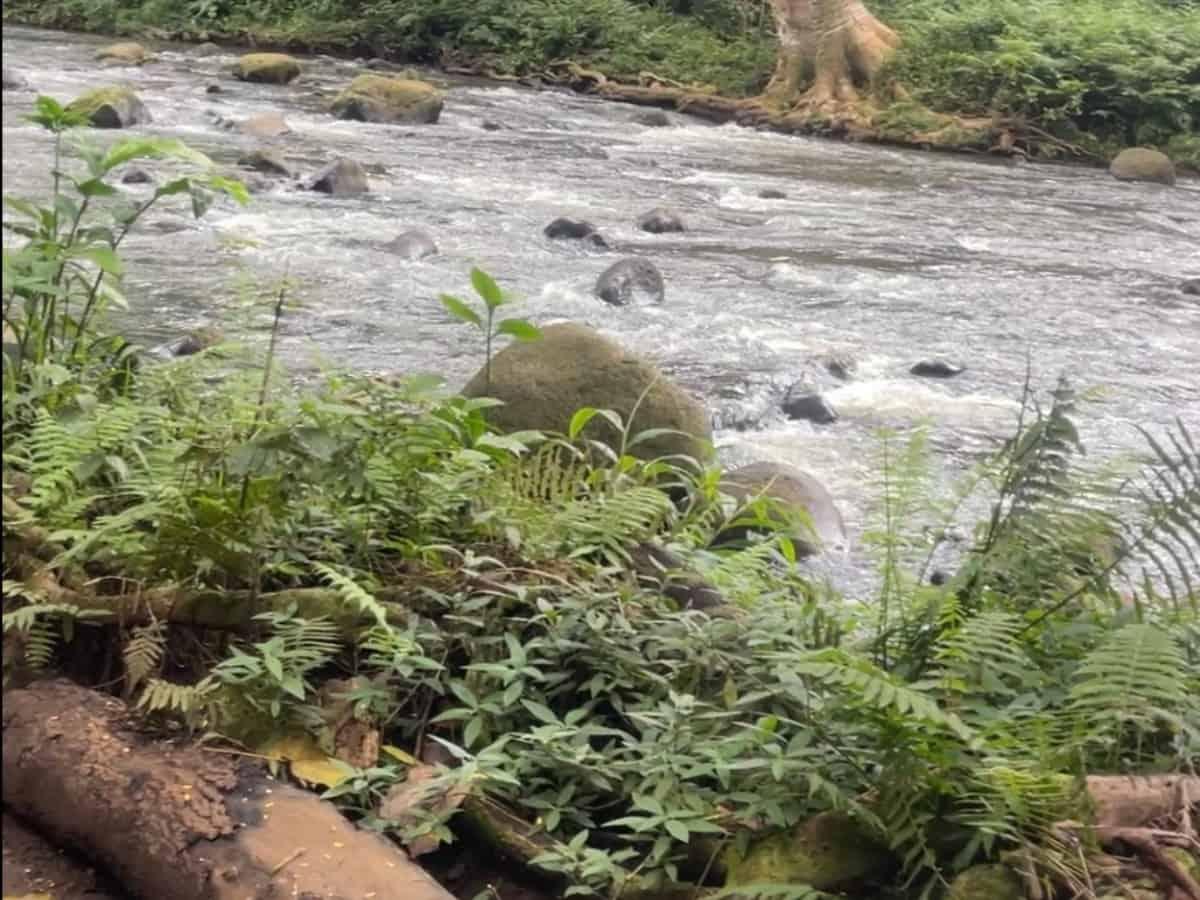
{"points": [[493, 298]]}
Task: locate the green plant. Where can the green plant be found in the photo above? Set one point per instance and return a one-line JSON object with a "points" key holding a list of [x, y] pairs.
{"points": [[493, 298]]}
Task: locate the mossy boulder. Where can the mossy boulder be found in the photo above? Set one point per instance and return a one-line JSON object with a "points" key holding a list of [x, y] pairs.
{"points": [[128, 54], [989, 882], [828, 852], [267, 68], [377, 98], [1143, 164], [543, 383], [801, 502], [111, 107]]}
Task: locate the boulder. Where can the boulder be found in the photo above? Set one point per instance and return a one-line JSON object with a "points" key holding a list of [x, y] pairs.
{"points": [[14, 80], [544, 383], [265, 160], [137, 176], [800, 497], [1191, 286], [840, 367], [569, 229], [341, 177], [267, 68], [772, 194], [630, 279], [829, 852], [655, 118], [127, 54], [414, 244], [190, 344], [987, 882], [808, 406], [937, 368], [1143, 164], [264, 125], [659, 221], [376, 98], [111, 107], [214, 89]]}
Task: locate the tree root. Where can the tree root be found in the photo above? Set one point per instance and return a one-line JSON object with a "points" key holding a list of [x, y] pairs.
{"points": [[174, 821]]}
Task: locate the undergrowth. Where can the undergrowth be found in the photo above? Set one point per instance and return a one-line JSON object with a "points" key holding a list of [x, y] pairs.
{"points": [[477, 595]]}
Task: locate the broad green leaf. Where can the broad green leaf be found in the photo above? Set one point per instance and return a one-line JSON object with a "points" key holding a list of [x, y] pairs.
{"points": [[130, 149], [105, 257], [95, 187], [520, 329], [487, 289], [677, 830], [460, 310], [540, 711], [579, 421]]}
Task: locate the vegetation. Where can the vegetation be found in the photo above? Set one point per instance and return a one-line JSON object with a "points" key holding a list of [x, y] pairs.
{"points": [[1089, 76], [244, 543]]}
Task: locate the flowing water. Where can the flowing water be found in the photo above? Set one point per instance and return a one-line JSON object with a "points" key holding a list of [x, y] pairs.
{"points": [[882, 256]]}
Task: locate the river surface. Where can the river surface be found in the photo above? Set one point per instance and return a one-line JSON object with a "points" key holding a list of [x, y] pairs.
{"points": [[878, 255]]}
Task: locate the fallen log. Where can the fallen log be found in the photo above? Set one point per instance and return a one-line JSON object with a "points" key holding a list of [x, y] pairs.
{"points": [[173, 821]]}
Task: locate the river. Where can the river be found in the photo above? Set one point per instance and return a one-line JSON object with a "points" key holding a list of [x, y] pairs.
{"points": [[878, 255]]}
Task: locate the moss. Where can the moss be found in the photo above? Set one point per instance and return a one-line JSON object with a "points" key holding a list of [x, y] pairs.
{"points": [[134, 54], [828, 852], [268, 68], [989, 882], [545, 382], [116, 106], [376, 98]]}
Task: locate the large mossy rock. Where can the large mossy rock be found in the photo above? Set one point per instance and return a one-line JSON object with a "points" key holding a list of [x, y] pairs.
{"points": [[1143, 164], [989, 882], [543, 383], [376, 98], [828, 852], [801, 499], [267, 68], [128, 54], [111, 107]]}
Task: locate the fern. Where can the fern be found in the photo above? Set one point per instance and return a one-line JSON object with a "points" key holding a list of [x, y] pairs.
{"points": [[1129, 687], [184, 700], [143, 653], [609, 524], [352, 593]]}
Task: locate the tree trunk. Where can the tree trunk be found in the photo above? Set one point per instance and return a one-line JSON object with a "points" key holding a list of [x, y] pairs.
{"points": [[173, 821], [828, 51]]}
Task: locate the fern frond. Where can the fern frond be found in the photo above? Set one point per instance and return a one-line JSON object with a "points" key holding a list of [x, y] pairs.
{"points": [[352, 593], [180, 699], [143, 653]]}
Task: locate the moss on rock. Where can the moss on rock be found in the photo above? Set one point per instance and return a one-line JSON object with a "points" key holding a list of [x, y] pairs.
{"points": [[267, 68], [111, 107], [828, 852], [543, 383], [377, 98], [1143, 164], [987, 882]]}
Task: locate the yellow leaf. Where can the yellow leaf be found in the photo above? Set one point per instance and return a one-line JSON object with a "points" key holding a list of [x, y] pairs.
{"points": [[407, 758], [306, 760]]}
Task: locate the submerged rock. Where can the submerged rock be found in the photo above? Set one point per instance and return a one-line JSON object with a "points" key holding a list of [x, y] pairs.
{"points": [[573, 229], [14, 80], [111, 107], [208, 48], [129, 54], [267, 68], [376, 98], [772, 194], [264, 125], [414, 244], [491, 125], [829, 852], [544, 383], [214, 89], [1143, 164], [655, 118], [937, 368], [840, 367], [190, 344], [265, 160], [809, 406], [799, 495], [137, 176], [660, 221], [340, 178], [628, 280], [1191, 286]]}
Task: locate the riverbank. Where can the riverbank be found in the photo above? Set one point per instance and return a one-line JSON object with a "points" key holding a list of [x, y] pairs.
{"points": [[1073, 80]]}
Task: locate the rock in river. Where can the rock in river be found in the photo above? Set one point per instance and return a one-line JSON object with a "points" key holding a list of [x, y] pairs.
{"points": [[628, 280]]}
